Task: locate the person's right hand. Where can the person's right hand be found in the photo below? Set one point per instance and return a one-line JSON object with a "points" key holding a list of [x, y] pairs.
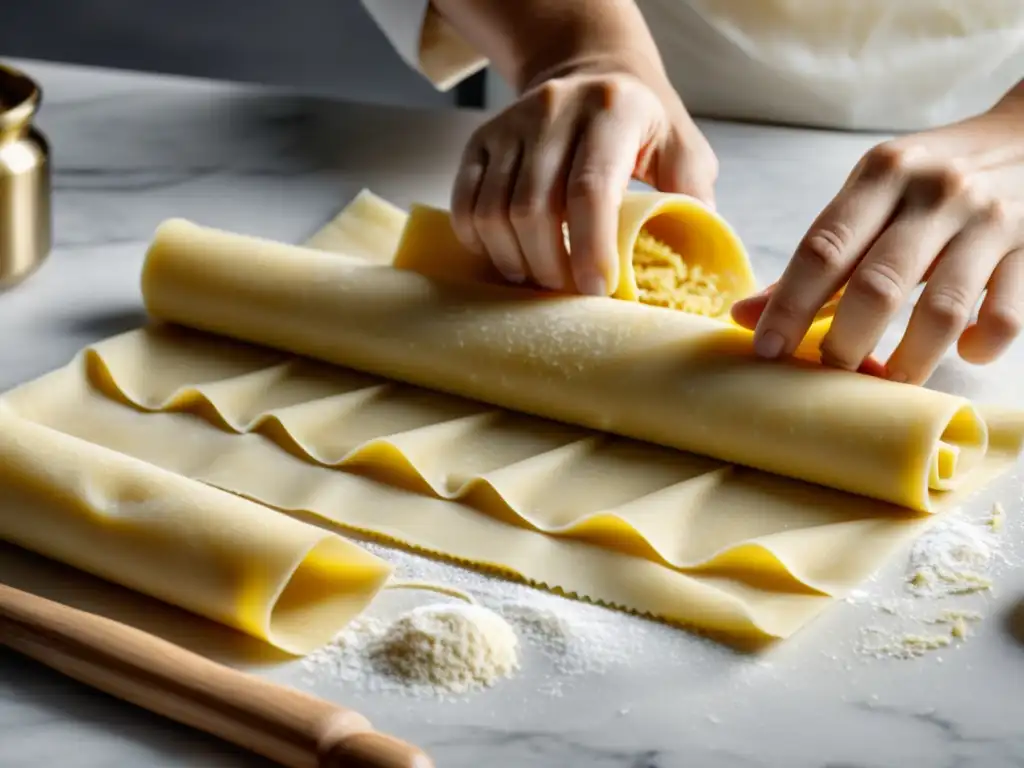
{"points": [[565, 152]]}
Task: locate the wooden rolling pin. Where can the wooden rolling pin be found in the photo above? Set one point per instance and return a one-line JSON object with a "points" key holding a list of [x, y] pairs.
{"points": [[291, 728]]}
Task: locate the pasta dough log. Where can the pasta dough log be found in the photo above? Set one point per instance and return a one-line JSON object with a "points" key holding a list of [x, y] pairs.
{"points": [[207, 551], [657, 375]]}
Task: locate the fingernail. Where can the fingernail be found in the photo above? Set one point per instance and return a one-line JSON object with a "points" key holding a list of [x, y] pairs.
{"points": [[769, 344], [553, 280], [593, 284], [898, 376], [511, 274]]}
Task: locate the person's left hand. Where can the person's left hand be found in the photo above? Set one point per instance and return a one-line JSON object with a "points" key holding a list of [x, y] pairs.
{"points": [[945, 207]]}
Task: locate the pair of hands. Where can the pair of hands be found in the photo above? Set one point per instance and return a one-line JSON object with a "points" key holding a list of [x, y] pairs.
{"points": [[944, 207]]}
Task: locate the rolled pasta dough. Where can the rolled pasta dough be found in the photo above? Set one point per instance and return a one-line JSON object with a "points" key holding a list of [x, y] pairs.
{"points": [[210, 552], [688, 538]]}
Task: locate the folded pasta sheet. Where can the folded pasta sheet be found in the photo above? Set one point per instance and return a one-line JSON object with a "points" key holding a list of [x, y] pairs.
{"points": [[666, 377], [207, 551], [497, 426]]}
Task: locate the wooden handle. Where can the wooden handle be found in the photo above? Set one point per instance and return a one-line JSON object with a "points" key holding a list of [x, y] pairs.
{"points": [[285, 725]]}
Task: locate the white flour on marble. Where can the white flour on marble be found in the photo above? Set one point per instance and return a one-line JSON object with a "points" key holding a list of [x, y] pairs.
{"points": [[446, 648], [949, 570], [953, 557], [572, 638]]}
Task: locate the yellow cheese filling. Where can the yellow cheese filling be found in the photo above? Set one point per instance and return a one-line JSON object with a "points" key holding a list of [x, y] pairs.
{"points": [[664, 279]]}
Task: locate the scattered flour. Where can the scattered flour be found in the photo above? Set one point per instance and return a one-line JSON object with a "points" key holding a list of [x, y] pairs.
{"points": [[998, 517], [449, 650], [910, 645], [344, 658], [952, 561], [955, 615], [953, 557]]}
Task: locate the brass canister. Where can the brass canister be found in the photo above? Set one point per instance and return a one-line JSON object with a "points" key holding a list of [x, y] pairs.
{"points": [[25, 212]]}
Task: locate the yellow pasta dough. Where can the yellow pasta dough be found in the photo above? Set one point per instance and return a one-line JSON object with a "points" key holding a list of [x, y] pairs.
{"points": [[614, 366], [683, 228], [460, 470], [178, 540]]}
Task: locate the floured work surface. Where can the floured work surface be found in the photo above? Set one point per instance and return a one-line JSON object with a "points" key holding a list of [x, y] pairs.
{"points": [[691, 539]]}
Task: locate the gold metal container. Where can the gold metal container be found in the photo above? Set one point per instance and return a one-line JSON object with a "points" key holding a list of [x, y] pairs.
{"points": [[25, 211]]}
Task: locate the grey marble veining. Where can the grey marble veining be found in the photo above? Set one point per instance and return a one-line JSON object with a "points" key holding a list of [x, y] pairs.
{"points": [[131, 150]]}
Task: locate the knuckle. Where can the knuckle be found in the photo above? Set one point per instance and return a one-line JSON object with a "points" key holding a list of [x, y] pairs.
{"points": [[527, 210], [605, 94], [948, 307], [490, 209], [461, 201], [699, 156], [835, 356], [1004, 322], [994, 213], [548, 95], [951, 183], [888, 160], [825, 247], [941, 186], [880, 285], [711, 165], [477, 139], [587, 186], [785, 306], [476, 147]]}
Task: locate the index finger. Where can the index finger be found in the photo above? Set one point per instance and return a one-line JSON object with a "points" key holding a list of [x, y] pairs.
{"points": [[823, 262], [600, 171]]}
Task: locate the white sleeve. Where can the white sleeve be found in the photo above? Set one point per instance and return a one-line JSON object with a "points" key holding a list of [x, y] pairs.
{"points": [[427, 43]]}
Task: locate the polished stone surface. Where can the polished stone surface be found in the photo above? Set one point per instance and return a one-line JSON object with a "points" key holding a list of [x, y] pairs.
{"points": [[131, 150]]}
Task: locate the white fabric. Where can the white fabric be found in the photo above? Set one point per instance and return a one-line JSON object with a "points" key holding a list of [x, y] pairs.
{"points": [[402, 22], [887, 65], [856, 64], [426, 41]]}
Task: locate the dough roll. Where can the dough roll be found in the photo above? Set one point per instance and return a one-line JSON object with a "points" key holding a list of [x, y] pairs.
{"points": [[210, 552], [662, 376], [673, 252]]}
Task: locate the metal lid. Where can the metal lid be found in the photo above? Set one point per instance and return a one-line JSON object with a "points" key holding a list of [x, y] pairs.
{"points": [[19, 99], [25, 205]]}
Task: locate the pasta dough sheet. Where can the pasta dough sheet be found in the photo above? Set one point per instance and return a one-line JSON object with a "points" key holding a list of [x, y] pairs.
{"points": [[759, 598], [207, 551], [661, 376], [688, 538]]}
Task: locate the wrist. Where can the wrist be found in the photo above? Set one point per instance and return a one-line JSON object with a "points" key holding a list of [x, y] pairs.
{"points": [[582, 41], [1012, 102], [591, 62]]}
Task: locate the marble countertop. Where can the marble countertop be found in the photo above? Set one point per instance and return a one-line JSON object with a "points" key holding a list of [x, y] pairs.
{"points": [[131, 150]]}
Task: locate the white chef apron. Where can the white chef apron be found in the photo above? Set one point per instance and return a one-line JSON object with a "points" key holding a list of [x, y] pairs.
{"points": [[884, 65]]}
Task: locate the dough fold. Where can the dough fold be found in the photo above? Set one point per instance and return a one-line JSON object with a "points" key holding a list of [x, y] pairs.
{"points": [[197, 547], [656, 375], [493, 426]]}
